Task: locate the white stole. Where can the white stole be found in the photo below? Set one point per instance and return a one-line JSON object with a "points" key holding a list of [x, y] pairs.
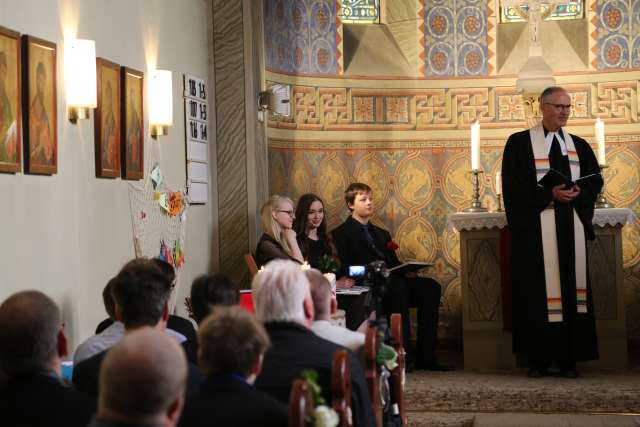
{"points": [[549, 238]]}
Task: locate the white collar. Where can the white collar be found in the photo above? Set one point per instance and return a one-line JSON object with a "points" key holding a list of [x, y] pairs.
{"points": [[549, 140]]}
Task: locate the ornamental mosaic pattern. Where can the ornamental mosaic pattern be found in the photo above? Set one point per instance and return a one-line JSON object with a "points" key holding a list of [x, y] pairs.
{"points": [[344, 109], [617, 34], [300, 36], [456, 38]]}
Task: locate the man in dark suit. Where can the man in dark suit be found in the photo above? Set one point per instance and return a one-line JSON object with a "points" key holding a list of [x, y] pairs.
{"points": [[232, 344], [141, 292], [32, 345], [359, 242], [142, 381], [283, 303]]}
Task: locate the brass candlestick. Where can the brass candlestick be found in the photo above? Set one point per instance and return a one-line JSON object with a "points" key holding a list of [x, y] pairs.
{"points": [[476, 205], [500, 209], [601, 201]]}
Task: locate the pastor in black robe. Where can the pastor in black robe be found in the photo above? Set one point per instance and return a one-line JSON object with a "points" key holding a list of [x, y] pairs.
{"points": [[534, 337]]}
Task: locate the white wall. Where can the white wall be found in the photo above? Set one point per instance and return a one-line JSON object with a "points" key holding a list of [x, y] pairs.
{"points": [[67, 234]]}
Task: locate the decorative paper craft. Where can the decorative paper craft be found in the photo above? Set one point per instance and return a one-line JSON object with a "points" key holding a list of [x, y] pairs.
{"points": [[156, 176], [175, 203]]}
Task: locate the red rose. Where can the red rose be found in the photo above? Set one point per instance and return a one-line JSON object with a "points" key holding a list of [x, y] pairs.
{"points": [[392, 246]]}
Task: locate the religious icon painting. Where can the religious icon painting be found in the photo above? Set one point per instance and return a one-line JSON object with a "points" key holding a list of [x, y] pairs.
{"points": [[10, 108], [107, 119], [132, 151], [39, 107]]}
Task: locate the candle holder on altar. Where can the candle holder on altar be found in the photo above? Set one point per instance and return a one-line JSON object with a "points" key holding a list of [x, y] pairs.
{"points": [[500, 208], [601, 201], [476, 204]]}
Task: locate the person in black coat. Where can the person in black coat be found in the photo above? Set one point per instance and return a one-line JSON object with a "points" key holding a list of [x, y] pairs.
{"points": [[141, 292], [359, 242], [283, 303], [278, 240], [232, 343], [32, 345]]}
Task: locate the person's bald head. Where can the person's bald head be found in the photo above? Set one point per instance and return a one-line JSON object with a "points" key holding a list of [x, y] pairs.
{"points": [[320, 294], [30, 333], [143, 378]]}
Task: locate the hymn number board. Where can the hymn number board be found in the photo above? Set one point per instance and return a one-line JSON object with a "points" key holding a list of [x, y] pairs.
{"points": [[196, 117]]}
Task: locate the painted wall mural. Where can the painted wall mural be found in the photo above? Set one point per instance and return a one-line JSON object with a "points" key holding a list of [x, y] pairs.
{"points": [[617, 34], [300, 36], [456, 38]]}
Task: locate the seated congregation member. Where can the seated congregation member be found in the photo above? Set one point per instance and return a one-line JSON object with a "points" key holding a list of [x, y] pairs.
{"points": [[359, 242], [208, 291], [278, 240], [310, 225], [283, 303], [324, 305], [32, 345], [232, 344], [141, 292], [182, 329], [111, 334], [142, 382]]}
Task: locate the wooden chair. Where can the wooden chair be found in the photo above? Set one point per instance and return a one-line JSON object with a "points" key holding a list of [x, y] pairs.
{"points": [[341, 387], [371, 371], [300, 403], [398, 373], [251, 265]]}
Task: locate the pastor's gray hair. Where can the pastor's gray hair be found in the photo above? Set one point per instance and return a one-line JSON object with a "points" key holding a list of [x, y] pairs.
{"points": [[279, 291], [549, 91]]}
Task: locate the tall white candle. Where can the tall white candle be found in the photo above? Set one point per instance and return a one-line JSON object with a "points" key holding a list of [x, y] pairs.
{"points": [[475, 146], [498, 183], [600, 141]]}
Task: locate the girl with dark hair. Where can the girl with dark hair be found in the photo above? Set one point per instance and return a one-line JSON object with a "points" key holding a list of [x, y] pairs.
{"points": [[310, 225]]}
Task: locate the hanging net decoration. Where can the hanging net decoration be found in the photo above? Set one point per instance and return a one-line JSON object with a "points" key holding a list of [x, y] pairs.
{"points": [[158, 216]]}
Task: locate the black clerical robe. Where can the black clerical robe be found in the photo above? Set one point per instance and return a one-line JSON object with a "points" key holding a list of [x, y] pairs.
{"points": [[534, 336]]}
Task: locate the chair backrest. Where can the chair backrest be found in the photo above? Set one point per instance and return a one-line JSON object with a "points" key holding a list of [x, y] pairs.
{"points": [[398, 373], [251, 264], [372, 372], [300, 403], [341, 387]]}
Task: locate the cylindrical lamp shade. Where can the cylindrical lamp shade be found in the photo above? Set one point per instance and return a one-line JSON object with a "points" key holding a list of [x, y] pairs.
{"points": [[80, 73], [160, 99]]}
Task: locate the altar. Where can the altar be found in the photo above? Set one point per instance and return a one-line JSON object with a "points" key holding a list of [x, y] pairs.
{"points": [[485, 263]]}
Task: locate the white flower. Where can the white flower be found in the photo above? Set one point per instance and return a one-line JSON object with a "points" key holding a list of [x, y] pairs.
{"points": [[325, 417]]}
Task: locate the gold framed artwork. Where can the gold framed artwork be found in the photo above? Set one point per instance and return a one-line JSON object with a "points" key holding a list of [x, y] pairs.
{"points": [[10, 108], [107, 119], [39, 109], [132, 125]]}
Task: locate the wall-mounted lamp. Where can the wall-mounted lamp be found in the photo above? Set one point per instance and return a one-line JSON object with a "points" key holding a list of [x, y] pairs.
{"points": [[161, 102], [80, 77]]}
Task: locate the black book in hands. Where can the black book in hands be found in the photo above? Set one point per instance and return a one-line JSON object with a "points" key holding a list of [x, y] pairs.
{"points": [[408, 267], [554, 178]]}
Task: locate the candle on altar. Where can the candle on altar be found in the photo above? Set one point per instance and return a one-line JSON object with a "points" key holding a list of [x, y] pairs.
{"points": [[600, 141], [475, 146], [498, 183], [305, 266]]}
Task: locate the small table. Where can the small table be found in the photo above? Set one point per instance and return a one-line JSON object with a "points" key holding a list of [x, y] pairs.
{"points": [[487, 345]]}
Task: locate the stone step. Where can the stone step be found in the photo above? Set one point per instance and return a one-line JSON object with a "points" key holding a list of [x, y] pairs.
{"points": [[510, 419]]}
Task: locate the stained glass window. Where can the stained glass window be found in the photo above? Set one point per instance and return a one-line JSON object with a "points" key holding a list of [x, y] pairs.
{"points": [[360, 11], [565, 10]]}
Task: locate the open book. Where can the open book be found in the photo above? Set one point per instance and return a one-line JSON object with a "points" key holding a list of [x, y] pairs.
{"points": [[409, 266], [554, 177]]}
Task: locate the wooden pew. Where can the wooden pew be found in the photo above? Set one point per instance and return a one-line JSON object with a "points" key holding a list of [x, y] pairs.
{"points": [[398, 373], [251, 265], [341, 387], [371, 371], [300, 403]]}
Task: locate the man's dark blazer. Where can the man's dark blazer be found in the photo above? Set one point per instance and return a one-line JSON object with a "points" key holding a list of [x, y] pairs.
{"points": [[86, 375], [295, 348], [40, 399], [230, 401], [354, 249]]}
